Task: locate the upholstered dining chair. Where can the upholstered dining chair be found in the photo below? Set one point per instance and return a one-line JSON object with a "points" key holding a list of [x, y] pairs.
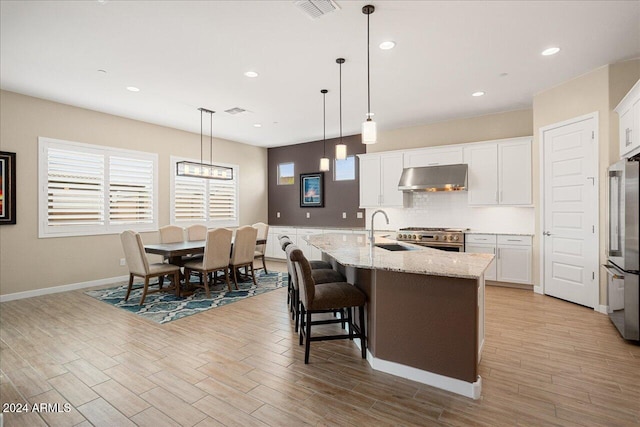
{"points": [[216, 258], [139, 265], [263, 233], [196, 232], [320, 276], [326, 298], [242, 253], [171, 234]]}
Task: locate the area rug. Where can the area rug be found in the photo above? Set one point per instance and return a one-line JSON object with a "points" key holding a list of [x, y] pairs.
{"points": [[164, 307]]}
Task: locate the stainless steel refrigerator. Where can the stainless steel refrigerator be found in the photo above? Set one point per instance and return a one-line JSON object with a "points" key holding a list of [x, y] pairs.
{"points": [[623, 252]]}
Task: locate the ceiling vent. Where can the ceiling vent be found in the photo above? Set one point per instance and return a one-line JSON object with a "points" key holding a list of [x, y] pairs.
{"points": [[235, 110], [314, 9]]}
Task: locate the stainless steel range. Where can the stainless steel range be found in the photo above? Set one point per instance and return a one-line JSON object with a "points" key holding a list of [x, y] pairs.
{"points": [[447, 239]]}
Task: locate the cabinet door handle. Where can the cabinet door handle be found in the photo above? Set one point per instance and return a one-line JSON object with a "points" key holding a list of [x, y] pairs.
{"points": [[499, 253], [627, 137], [514, 240]]}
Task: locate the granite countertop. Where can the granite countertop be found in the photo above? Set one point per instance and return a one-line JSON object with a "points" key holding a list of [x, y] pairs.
{"points": [[354, 250], [500, 233]]}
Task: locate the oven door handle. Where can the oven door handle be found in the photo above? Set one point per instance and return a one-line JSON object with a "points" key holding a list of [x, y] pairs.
{"points": [[615, 272]]}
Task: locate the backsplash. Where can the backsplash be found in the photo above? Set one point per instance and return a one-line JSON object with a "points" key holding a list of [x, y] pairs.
{"points": [[452, 210]]}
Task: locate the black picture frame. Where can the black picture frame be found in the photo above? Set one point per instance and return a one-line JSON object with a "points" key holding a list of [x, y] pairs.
{"points": [[312, 190], [7, 188]]}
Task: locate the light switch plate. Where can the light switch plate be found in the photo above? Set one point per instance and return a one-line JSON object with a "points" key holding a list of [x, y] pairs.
{"points": [[344, 215], [359, 215], [308, 215], [123, 261], [277, 214]]}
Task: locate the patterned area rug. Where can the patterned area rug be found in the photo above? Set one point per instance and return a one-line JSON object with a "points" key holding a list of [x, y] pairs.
{"points": [[164, 307]]}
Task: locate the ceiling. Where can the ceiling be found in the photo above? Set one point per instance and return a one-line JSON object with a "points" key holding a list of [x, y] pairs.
{"points": [[188, 54]]}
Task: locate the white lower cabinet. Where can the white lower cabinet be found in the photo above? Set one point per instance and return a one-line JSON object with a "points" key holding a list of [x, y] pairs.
{"points": [[513, 256], [309, 251], [274, 250]]}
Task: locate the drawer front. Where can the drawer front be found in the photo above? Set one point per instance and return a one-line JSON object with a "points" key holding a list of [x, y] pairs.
{"points": [[514, 240], [480, 238]]}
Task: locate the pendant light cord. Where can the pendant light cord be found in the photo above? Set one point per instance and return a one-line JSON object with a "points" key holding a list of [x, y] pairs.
{"points": [[340, 63], [201, 136], [324, 124], [211, 139], [368, 73]]}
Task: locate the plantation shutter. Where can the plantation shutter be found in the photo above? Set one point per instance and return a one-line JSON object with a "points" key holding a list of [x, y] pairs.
{"points": [[130, 190], [75, 188], [190, 199], [222, 200]]}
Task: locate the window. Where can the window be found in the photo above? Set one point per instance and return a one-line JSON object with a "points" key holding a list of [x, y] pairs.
{"points": [[90, 189], [285, 174], [345, 170], [212, 202]]}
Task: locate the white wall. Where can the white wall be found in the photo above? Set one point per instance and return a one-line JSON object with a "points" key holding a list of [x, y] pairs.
{"points": [[450, 209]]}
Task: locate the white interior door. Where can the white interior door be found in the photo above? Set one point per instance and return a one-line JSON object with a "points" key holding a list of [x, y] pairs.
{"points": [[570, 194]]}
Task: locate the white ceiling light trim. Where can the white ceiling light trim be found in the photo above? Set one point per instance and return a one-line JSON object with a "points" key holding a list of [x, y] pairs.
{"points": [[478, 93], [550, 51], [251, 74], [387, 45], [133, 89]]}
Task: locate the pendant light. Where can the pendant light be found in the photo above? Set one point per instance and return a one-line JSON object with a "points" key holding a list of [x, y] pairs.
{"points": [[204, 170], [369, 131], [324, 161], [341, 149]]}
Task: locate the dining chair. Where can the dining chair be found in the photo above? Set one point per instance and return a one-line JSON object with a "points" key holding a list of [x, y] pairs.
{"points": [[242, 253], [320, 276], [326, 298], [139, 266], [171, 234], [263, 233], [216, 257], [196, 232]]}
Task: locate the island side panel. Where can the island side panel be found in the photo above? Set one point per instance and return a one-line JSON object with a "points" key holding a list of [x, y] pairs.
{"points": [[427, 322]]}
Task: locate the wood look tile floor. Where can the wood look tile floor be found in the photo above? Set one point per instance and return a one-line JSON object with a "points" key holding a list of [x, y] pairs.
{"points": [[546, 362]]}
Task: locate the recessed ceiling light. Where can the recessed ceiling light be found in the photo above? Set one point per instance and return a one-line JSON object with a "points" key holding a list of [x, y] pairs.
{"points": [[479, 93], [387, 45], [257, 125], [251, 74], [133, 89], [550, 51]]}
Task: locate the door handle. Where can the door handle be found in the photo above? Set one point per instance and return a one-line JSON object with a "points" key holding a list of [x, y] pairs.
{"points": [[546, 233]]}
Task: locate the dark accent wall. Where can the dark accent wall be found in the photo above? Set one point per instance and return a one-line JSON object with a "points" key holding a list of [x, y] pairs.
{"points": [[340, 196]]}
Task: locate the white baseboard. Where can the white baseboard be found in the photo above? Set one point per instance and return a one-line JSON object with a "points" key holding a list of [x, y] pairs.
{"points": [[63, 288], [538, 290], [604, 309], [472, 390]]}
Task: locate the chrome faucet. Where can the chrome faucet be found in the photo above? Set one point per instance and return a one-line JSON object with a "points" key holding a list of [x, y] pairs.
{"points": [[371, 238]]}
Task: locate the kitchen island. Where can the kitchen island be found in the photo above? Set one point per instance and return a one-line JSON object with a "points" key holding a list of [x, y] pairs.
{"points": [[425, 307]]}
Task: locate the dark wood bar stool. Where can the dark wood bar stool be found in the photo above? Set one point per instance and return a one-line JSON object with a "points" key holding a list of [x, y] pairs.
{"points": [[326, 298]]}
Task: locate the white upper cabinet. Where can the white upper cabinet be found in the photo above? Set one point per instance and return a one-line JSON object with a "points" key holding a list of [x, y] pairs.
{"points": [[499, 172], [629, 112], [449, 155], [379, 177], [482, 178]]}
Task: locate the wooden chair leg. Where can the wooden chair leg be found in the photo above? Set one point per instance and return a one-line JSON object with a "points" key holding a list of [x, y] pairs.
{"points": [[160, 281], [206, 284], [226, 277], [307, 344], [253, 274], [130, 286], [176, 280], [363, 335], [264, 265], [144, 291], [350, 323], [235, 276], [302, 324]]}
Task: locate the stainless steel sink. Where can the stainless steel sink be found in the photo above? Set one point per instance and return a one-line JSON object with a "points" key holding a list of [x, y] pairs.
{"points": [[394, 247]]}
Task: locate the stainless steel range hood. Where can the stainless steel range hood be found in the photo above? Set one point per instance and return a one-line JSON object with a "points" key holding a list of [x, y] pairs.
{"points": [[434, 178]]}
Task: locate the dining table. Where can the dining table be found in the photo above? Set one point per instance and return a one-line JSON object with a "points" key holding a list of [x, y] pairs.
{"points": [[175, 252]]}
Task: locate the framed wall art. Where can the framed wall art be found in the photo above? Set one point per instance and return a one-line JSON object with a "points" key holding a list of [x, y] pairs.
{"points": [[7, 188], [312, 190]]}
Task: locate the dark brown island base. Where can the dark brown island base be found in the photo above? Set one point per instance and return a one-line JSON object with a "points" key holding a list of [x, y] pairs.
{"points": [[425, 307]]}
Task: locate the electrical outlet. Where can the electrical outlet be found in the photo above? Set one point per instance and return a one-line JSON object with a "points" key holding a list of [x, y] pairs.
{"points": [[359, 215], [308, 215], [344, 215], [122, 261], [277, 214]]}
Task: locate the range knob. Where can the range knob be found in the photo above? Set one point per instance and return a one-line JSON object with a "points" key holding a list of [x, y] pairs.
{"points": [[456, 238], [436, 237], [450, 237], [414, 236]]}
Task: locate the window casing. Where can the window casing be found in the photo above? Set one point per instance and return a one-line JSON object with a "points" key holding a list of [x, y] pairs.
{"points": [[286, 174], [345, 170], [90, 189], [212, 202]]}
